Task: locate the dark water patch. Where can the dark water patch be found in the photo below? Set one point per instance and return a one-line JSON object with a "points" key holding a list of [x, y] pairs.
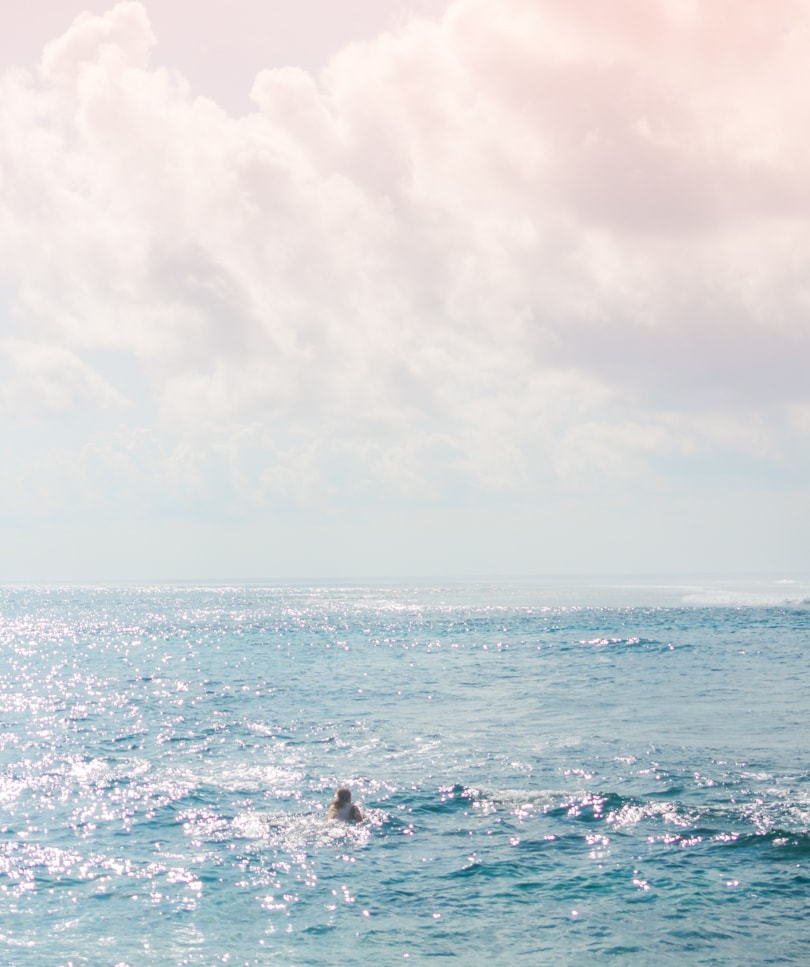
{"points": [[481, 869], [447, 799], [621, 951], [779, 844]]}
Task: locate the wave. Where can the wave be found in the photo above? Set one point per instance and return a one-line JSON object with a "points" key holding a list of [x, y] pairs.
{"points": [[644, 644], [761, 593], [784, 825]]}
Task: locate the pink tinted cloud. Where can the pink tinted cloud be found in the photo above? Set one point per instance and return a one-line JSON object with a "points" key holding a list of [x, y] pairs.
{"points": [[505, 228]]}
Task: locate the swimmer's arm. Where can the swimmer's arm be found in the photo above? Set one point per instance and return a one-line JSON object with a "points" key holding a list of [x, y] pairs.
{"points": [[357, 816]]}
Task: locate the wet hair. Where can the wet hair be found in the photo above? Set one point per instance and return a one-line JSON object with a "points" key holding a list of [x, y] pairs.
{"points": [[343, 795]]}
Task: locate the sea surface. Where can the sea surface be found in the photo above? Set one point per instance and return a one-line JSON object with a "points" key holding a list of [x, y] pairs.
{"points": [[551, 772]]}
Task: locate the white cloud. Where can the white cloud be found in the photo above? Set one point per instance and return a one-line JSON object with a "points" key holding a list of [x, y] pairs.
{"points": [[49, 379], [522, 245], [123, 36]]}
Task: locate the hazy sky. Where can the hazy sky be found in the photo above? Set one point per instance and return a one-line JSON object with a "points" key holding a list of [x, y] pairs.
{"points": [[378, 288]]}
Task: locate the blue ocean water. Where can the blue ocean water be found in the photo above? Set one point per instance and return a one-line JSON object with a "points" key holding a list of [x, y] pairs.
{"points": [[550, 773]]}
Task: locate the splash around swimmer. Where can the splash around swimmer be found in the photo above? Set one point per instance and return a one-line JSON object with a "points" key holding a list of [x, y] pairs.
{"points": [[343, 808]]}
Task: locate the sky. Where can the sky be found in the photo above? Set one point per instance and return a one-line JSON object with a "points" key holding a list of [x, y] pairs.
{"points": [[379, 289]]}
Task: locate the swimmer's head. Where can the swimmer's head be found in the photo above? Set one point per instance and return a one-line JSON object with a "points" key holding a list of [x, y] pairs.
{"points": [[344, 795]]}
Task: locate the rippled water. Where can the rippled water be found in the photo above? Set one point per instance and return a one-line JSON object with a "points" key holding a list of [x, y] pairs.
{"points": [[550, 774]]}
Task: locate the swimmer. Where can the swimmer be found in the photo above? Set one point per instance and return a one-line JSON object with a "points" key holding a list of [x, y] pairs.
{"points": [[343, 807]]}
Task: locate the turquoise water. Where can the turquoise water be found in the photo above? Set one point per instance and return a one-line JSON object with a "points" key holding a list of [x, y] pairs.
{"points": [[551, 773]]}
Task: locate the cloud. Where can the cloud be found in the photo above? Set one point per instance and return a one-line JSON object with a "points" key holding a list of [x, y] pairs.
{"points": [[49, 380], [123, 36], [489, 252]]}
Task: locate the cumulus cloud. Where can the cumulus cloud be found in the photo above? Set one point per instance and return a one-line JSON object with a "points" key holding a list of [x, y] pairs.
{"points": [[524, 245], [43, 379]]}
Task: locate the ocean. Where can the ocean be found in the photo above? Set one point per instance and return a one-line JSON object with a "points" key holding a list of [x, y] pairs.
{"points": [[551, 772]]}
